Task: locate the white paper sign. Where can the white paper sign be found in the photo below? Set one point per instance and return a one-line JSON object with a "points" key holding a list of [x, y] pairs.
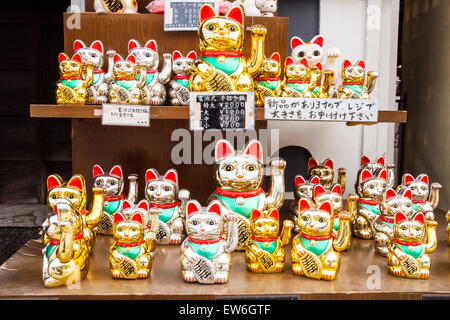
{"points": [[126, 115], [182, 15], [314, 109]]}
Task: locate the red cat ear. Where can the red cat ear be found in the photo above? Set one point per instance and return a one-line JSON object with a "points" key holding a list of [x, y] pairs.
{"points": [[192, 55], [420, 218], [77, 57], [131, 58], [399, 217], [329, 164], [97, 171], [62, 56], [192, 207], [361, 64], [389, 193], [318, 190], [289, 61], [127, 205], [176, 55], [97, 45], [295, 42], [304, 62], [318, 40], [366, 175], [53, 181], [214, 207], [299, 180], [314, 180], [326, 206], [143, 204], [137, 217], [206, 12], [319, 66], [256, 214], [77, 182], [236, 14], [223, 149], [132, 44], [151, 44], [276, 56], [274, 214], [407, 193], [365, 160], [303, 205], [312, 163], [383, 175], [346, 64], [151, 174], [254, 149], [78, 44], [118, 217], [171, 175], [337, 189], [423, 178], [117, 57], [407, 179], [381, 161], [116, 171]]}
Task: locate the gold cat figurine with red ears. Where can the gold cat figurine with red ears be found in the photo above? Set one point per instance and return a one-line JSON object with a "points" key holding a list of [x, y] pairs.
{"points": [[325, 172], [302, 189], [268, 81], [300, 79], [353, 77]]}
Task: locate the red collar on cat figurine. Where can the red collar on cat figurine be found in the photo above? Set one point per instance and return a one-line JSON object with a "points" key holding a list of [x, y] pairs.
{"points": [[77, 237], [120, 197], [235, 194], [149, 71], [296, 81], [182, 77], [386, 219], [70, 78], [164, 205], [258, 239], [204, 241], [96, 71], [132, 244], [124, 78], [316, 238], [210, 53], [370, 202], [268, 79], [404, 243], [419, 201], [352, 83]]}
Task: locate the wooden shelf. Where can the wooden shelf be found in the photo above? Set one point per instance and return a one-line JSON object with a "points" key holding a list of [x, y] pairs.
{"points": [[165, 112], [20, 277]]}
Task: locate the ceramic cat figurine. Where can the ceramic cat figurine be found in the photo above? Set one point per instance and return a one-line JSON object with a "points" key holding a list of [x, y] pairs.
{"points": [[408, 253], [334, 195], [315, 252], [155, 81], [112, 184], [268, 82], [72, 87], [391, 204], [267, 7], [99, 90], [130, 256], [116, 6], [302, 189], [239, 179], [353, 76], [125, 88], [163, 192], [249, 7], [205, 254], [264, 252], [222, 66], [181, 73], [325, 172], [299, 79], [375, 167], [370, 195]]}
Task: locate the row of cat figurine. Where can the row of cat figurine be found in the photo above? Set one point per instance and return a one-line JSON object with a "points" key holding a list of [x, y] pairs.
{"points": [[240, 216]]}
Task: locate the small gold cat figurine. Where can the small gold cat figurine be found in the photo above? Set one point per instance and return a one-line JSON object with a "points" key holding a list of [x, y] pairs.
{"points": [[299, 79], [375, 167], [268, 82], [264, 252], [315, 254], [322, 89], [222, 66], [407, 255], [71, 87], [325, 172], [302, 188], [130, 256], [353, 76]]}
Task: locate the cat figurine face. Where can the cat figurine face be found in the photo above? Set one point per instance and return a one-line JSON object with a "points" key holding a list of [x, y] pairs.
{"points": [[353, 72], [304, 188], [409, 229], [181, 65], [161, 190], [373, 167], [314, 221], [74, 190], [419, 186], [111, 183], [221, 33], [320, 195], [204, 223], [312, 51], [239, 170], [70, 67], [93, 53], [372, 186], [297, 71], [264, 225], [397, 202], [124, 68], [271, 67], [147, 54], [128, 228], [325, 171]]}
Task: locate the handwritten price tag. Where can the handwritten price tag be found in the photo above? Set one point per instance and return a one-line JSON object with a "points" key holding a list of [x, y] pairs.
{"points": [[126, 115]]}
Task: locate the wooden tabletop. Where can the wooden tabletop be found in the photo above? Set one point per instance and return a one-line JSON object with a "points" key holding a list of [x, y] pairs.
{"points": [[20, 277]]}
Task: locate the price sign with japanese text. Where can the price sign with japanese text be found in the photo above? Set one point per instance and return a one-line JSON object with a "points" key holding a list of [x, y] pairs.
{"points": [[126, 115], [182, 15]]}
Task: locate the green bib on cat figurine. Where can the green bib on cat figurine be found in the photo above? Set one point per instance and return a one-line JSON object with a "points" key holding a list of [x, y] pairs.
{"points": [[373, 208], [49, 250], [126, 84], [336, 224], [270, 247], [316, 90], [183, 82], [166, 214], [355, 88], [209, 253], [415, 251], [300, 87], [229, 65], [245, 209], [272, 85], [72, 84], [130, 252], [319, 246], [150, 77], [112, 206]]}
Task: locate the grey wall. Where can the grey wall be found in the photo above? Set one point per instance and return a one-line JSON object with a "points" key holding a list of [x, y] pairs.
{"points": [[426, 81]]}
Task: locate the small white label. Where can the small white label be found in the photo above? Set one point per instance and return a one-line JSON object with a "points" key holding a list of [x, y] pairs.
{"points": [[314, 109], [126, 115]]}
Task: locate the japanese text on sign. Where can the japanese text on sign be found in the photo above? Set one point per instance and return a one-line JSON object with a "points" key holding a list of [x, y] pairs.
{"points": [[312, 109], [222, 110], [126, 115], [182, 15]]}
